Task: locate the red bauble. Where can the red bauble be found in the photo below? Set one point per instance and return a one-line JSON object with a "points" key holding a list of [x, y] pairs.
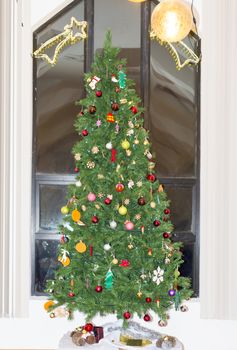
{"points": [[76, 170], [117, 89], [151, 177], [81, 113], [107, 201], [64, 239], [98, 93], [115, 106], [166, 235], [84, 132], [156, 223], [147, 318], [127, 315], [95, 219], [92, 109], [98, 289], [134, 109], [148, 300], [167, 211], [141, 201], [119, 187], [71, 294], [89, 327]]}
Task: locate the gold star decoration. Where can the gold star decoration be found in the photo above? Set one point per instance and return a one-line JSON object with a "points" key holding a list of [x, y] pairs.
{"points": [[181, 49], [67, 37]]}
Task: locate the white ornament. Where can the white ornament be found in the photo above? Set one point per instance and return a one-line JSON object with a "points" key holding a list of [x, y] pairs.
{"points": [[139, 184], [110, 196], [113, 224], [107, 247], [158, 275], [130, 184], [109, 145], [114, 79], [93, 82], [78, 183], [67, 225], [130, 132]]}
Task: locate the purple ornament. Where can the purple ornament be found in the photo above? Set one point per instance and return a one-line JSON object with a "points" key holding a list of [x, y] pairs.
{"points": [[98, 123], [171, 292]]}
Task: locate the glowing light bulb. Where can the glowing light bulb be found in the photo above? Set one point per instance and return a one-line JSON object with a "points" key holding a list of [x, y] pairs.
{"points": [[172, 20]]}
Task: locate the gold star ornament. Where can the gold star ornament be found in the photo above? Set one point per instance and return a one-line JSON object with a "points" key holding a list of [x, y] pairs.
{"points": [[72, 34]]}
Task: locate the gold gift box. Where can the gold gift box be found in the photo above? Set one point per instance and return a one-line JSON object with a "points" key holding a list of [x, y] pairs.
{"points": [[134, 342]]}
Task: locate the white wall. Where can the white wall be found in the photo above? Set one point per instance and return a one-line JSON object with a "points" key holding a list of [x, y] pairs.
{"points": [[40, 332]]}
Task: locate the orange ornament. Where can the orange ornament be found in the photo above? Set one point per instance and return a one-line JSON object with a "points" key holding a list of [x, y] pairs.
{"points": [[76, 215], [65, 261], [48, 304], [110, 118], [81, 247]]}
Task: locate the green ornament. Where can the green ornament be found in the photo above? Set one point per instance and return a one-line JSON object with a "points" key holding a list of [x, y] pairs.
{"points": [[122, 79], [109, 280], [176, 274]]}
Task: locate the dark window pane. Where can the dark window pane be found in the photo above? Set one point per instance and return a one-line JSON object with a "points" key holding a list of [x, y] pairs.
{"points": [[57, 90], [181, 206], [172, 117], [45, 262], [186, 268], [124, 23], [52, 198]]}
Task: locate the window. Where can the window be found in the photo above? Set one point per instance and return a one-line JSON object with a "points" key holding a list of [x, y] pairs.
{"points": [[171, 99]]}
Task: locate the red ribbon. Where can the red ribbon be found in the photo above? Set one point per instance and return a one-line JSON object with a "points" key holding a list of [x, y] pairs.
{"points": [[113, 155], [91, 250]]}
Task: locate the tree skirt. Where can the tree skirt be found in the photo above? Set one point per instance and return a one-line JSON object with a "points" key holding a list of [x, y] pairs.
{"points": [[111, 341]]}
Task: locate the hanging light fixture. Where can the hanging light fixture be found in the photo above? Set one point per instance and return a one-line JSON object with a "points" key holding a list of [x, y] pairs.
{"points": [[137, 0], [172, 20]]}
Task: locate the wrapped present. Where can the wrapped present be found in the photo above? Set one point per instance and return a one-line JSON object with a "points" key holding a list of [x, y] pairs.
{"points": [[110, 118], [99, 333]]}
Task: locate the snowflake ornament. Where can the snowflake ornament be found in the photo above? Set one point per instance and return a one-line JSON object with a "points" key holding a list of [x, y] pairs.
{"points": [[139, 184], [98, 123], [95, 150], [138, 216], [77, 156], [126, 201], [130, 132], [158, 275]]}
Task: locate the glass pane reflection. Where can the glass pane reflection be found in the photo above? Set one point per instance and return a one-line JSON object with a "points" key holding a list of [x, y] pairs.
{"points": [[57, 89], [45, 262]]}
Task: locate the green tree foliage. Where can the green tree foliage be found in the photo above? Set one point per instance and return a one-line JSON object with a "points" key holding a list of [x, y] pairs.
{"points": [[117, 254]]}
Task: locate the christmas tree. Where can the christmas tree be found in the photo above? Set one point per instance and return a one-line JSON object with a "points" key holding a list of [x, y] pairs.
{"points": [[116, 254]]}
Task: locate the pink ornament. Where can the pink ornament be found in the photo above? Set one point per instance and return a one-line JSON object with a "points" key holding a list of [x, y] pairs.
{"points": [[129, 225], [98, 123], [91, 197]]}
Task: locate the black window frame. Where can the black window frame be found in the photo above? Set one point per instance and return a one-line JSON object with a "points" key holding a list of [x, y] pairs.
{"points": [[191, 237]]}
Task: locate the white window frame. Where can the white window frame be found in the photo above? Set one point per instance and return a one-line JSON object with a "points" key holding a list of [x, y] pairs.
{"points": [[218, 153]]}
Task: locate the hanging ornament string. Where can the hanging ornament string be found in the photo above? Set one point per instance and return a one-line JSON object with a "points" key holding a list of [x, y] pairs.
{"points": [[67, 37]]}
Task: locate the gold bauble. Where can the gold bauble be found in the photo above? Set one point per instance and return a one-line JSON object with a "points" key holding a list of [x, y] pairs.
{"points": [[76, 215], [139, 294], [125, 144], [122, 210], [152, 205], [65, 261], [172, 20], [130, 246], [115, 261], [81, 247], [65, 210]]}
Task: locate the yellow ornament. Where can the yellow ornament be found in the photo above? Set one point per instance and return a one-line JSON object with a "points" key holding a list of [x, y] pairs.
{"points": [[136, 141], [115, 261], [76, 215], [81, 247], [122, 210], [48, 304], [146, 142], [125, 144], [65, 210], [64, 260], [130, 246], [160, 189], [152, 205], [139, 294]]}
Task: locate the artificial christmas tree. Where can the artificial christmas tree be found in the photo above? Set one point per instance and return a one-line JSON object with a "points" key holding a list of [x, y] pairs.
{"points": [[116, 251]]}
